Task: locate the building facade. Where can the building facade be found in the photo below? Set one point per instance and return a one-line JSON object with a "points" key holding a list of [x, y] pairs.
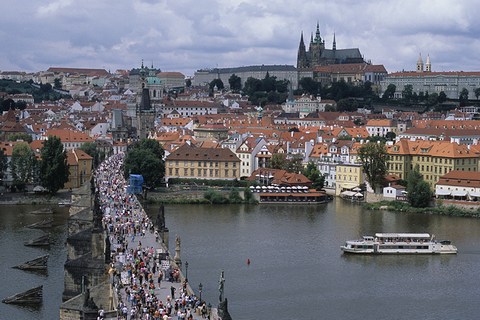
{"points": [[425, 80], [432, 158], [281, 72], [193, 162]]}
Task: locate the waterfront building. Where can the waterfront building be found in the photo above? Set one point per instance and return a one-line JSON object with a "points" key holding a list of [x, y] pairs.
{"points": [[189, 161], [247, 152], [318, 55], [80, 166], [433, 158], [349, 176], [459, 185], [426, 81]]}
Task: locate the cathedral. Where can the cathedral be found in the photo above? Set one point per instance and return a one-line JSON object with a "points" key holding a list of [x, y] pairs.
{"points": [[318, 55]]}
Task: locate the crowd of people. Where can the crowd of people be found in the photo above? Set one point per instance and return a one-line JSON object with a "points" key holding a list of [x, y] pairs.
{"points": [[136, 268]]}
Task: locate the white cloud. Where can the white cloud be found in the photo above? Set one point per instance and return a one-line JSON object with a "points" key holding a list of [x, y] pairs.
{"points": [[53, 7]]}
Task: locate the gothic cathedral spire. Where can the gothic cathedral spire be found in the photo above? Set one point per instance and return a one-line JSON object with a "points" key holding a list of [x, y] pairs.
{"points": [[334, 43], [302, 54]]}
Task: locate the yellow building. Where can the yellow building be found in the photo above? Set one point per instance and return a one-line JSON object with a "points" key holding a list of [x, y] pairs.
{"points": [[80, 166], [202, 163], [348, 176], [433, 158]]}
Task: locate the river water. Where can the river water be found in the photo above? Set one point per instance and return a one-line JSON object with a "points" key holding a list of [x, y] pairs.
{"points": [[297, 270]]}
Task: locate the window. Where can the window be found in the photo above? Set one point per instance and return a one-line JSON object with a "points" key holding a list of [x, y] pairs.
{"points": [[226, 172], [185, 171]]}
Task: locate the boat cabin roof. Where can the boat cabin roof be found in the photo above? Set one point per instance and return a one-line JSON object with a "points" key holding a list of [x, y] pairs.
{"points": [[403, 235]]}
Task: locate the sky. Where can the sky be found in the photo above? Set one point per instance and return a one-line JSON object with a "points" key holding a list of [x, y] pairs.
{"points": [[187, 35]]}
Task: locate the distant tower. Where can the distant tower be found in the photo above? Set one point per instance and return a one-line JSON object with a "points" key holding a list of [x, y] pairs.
{"points": [[420, 63], [334, 47], [145, 112], [302, 61], [428, 65]]}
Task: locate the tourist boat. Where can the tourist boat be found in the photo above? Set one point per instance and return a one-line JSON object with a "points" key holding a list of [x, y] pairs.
{"points": [[399, 243]]}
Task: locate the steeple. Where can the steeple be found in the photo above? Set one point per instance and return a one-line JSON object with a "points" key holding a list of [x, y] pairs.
{"points": [[428, 65], [334, 43], [420, 63], [318, 39], [302, 54]]}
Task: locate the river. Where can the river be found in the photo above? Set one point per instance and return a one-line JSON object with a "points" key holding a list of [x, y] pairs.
{"points": [[297, 270]]}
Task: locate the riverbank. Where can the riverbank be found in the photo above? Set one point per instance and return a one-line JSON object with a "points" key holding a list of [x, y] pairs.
{"points": [[449, 209], [31, 198]]}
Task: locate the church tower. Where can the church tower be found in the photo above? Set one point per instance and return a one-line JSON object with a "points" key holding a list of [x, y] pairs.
{"points": [[145, 112], [334, 47], [428, 65], [420, 63], [302, 61]]}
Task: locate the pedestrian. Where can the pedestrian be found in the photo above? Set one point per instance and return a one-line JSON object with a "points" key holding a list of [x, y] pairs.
{"points": [[172, 291]]}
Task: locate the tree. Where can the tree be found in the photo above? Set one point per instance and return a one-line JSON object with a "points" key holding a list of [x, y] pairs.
{"points": [[146, 158], [3, 165], [216, 82], [278, 161], [463, 96], [188, 83], [294, 164], [21, 105], [252, 85], [477, 92], [390, 135], [373, 157], [432, 99], [268, 83], [419, 193], [20, 136], [313, 174], [235, 83], [8, 104], [442, 97], [309, 85], [22, 164], [57, 83], [347, 105], [407, 93], [54, 169], [389, 92]]}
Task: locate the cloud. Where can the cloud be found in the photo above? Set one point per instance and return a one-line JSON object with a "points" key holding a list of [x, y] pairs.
{"points": [[53, 7], [186, 35]]}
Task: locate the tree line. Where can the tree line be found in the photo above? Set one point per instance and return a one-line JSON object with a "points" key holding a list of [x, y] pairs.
{"points": [[50, 170]]}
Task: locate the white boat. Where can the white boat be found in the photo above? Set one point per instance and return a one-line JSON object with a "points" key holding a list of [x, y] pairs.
{"points": [[399, 243]]}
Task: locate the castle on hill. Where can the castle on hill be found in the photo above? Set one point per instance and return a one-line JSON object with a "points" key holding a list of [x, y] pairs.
{"points": [[319, 55]]}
